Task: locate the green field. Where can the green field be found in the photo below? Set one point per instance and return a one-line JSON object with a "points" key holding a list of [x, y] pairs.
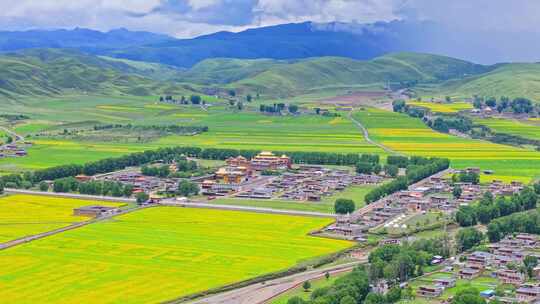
{"points": [[326, 205], [227, 129], [158, 254], [410, 136], [514, 127], [23, 215]]}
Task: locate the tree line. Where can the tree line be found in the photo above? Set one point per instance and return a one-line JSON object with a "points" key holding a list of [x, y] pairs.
{"points": [[28, 179], [418, 168], [104, 188], [490, 208], [522, 222], [278, 108]]}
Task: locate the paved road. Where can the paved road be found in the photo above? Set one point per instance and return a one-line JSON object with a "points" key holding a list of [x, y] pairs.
{"points": [[72, 195], [368, 139], [172, 202], [260, 293]]}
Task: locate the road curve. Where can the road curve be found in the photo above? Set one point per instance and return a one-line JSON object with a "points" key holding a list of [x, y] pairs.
{"points": [[260, 293], [368, 139]]}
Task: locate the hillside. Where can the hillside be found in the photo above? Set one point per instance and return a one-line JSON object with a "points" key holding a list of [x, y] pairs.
{"points": [[281, 78], [513, 80], [47, 72]]}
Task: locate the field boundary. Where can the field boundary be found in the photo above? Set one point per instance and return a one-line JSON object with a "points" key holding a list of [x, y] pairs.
{"points": [[72, 195], [30, 238]]}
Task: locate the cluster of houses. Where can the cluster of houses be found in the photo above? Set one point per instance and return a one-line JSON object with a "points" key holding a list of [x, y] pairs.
{"points": [[140, 182], [17, 149], [433, 194], [309, 183], [503, 262], [496, 263]]}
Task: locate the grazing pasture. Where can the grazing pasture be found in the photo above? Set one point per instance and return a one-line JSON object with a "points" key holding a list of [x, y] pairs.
{"points": [[514, 127], [23, 215], [442, 107], [410, 136], [158, 254]]}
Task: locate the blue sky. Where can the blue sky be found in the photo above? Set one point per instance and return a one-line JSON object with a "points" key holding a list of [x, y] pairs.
{"points": [[188, 18]]}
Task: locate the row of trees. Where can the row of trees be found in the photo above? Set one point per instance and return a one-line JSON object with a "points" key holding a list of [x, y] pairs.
{"points": [[489, 208], [193, 99], [278, 108], [522, 222], [466, 177], [418, 169], [141, 158], [445, 123], [518, 105], [105, 188]]}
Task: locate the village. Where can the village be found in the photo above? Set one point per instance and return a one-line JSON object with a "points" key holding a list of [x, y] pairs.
{"points": [[393, 214], [500, 268]]}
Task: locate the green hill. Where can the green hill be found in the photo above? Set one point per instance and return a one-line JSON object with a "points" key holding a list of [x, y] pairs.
{"points": [[300, 76], [513, 80], [49, 72]]}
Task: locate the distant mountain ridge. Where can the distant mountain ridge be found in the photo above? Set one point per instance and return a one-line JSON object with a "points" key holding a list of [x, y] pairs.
{"points": [[78, 38]]}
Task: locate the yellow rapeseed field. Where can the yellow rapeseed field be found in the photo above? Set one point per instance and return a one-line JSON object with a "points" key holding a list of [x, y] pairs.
{"points": [[23, 215], [158, 254], [443, 107]]}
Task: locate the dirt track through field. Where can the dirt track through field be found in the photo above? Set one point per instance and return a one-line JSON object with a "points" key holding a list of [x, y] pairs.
{"points": [[365, 133]]}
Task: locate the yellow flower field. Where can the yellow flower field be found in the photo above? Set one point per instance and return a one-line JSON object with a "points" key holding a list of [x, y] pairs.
{"points": [[158, 254], [442, 107], [410, 136], [23, 215]]}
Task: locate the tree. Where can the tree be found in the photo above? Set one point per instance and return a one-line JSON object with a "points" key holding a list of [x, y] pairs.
{"points": [[249, 98], [142, 197], [393, 295], [195, 99], [364, 167], [530, 262], [468, 238], [327, 275], [347, 300], [391, 170], [374, 298], [232, 93], [306, 286], [468, 296], [43, 186], [457, 191], [1, 187], [296, 300], [187, 188], [344, 206], [293, 108]]}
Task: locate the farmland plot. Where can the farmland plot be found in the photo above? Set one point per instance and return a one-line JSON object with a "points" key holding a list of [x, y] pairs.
{"points": [[23, 215], [158, 254], [410, 136]]}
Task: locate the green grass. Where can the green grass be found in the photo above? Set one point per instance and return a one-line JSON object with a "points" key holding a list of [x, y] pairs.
{"points": [[514, 127], [410, 136], [158, 254], [453, 107], [326, 205], [300, 292]]}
